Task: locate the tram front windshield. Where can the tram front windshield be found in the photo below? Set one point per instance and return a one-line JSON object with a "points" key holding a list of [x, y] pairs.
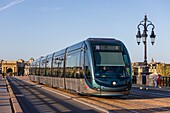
{"points": [[111, 61]]}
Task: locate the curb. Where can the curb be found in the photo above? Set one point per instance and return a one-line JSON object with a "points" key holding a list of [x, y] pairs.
{"points": [[15, 104]]}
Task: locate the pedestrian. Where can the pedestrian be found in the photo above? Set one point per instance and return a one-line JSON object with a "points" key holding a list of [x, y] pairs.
{"points": [[155, 79], [159, 80]]}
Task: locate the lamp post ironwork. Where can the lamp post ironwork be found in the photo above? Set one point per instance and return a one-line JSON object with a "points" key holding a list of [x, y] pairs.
{"points": [[145, 24]]}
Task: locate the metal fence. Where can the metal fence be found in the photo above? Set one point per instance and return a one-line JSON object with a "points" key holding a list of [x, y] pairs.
{"points": [[165, 81]]}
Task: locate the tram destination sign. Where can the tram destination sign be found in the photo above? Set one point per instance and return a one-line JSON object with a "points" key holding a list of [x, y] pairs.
{"points": [[108, 47]]}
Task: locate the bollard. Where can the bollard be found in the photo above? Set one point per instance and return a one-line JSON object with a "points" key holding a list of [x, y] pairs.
{"points": [[144, 79]]}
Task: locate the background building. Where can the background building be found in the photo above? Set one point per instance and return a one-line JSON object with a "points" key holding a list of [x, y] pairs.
{"points": [[19, 67], [154, 68], [8, 67]]}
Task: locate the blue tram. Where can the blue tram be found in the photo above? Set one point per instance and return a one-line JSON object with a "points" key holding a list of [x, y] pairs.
{"points": [[96, 66]]}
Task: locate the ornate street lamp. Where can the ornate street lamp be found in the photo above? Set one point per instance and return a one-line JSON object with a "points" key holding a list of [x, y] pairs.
{"points": [[145, 24]]}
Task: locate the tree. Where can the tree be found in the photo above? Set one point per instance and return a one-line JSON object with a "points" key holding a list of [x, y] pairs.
{"points": [[163, 69]]}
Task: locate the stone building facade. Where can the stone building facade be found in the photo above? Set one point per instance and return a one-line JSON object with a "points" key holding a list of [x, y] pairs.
{"points": [[153, 68], [19, 67], [8, 66]]}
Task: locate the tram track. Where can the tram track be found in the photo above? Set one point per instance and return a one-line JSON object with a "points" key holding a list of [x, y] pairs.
{"points": [[147, 103], [151, 98], [153, 94], [112, 107], [149, 95], [139, 97], [128, 106]]}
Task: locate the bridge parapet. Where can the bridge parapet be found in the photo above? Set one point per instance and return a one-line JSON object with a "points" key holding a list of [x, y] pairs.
{"points": [[165, 80]]}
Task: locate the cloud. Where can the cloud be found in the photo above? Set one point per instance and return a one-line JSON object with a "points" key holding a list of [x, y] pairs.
{"points": [[11, 4]]}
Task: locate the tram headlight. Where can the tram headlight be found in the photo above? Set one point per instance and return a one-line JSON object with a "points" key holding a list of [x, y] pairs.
{"points": [[114, 83]]}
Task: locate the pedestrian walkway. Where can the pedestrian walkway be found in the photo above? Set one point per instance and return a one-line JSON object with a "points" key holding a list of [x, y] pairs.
{"points": [[5, 106]]}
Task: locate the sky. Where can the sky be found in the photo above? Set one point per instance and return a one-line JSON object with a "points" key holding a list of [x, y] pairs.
{"points": [[34, 28]]}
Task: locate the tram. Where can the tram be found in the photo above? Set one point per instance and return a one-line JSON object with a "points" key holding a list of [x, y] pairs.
{"points": [[95, 66]]}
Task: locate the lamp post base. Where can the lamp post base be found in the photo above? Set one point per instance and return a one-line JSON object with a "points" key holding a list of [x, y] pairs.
{"points": [[145, 72]]}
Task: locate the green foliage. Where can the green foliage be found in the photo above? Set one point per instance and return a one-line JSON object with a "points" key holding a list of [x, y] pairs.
{"points": [[163, 69]]}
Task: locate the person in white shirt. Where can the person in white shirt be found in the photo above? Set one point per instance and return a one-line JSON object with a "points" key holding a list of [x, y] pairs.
{"points": [[155, 78]]}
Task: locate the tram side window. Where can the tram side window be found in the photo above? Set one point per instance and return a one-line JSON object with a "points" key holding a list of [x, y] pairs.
{"points": [[81, 64], [48, 67], [42, 68], [58, 66], [87, 68], [32, 69], [55, 67], [76, 72], [72, 65], [78, 67], [127, 64], [74, 60], [60, 69], [68, 66], [37, 68]]}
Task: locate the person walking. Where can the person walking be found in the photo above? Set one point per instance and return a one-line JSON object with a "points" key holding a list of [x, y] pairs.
{"points": [[159, 80], [155, 79]]}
